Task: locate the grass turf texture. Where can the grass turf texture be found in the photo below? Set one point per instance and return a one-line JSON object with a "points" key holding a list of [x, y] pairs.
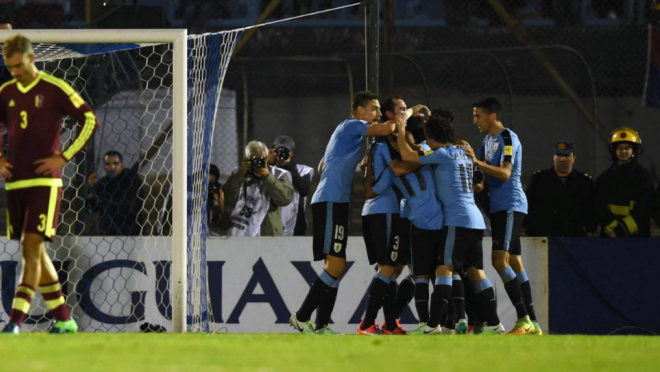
{"points": [[220, 352]]}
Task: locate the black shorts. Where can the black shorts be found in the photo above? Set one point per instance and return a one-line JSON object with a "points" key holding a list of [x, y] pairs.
{"points": [[387, 238], [330, 229], [425, 245], [462, 248], [506, 226]]}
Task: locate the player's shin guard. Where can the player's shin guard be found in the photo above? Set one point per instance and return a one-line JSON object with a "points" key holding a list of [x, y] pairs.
{"points": [[317, 292], [513, 290], [458, 297], [422, 299], [375, 297], [404, 294], [486, 303], [390, 306], [439, 299], [21, 304], [54, 298], [526, 289]]}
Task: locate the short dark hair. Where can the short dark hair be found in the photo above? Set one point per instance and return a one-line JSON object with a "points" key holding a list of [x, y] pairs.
{"points": [[388, 105], [440, 126], [362, 99], [415, 126], [213, 170], [114, 153], [490, 105]]}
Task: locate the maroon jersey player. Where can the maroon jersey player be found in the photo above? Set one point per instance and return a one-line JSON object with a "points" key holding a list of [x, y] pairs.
{"points": [[32, 107]]}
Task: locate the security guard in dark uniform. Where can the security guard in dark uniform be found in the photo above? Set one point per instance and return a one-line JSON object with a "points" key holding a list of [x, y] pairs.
{"points": [[561, 199], [624, 192]]}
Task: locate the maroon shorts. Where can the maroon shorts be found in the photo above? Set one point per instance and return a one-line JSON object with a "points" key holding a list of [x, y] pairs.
{"points": [[33, 209]]}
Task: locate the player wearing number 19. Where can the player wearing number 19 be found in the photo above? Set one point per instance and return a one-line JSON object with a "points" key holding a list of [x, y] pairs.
{"points": [[32, 106], [330, 207]]}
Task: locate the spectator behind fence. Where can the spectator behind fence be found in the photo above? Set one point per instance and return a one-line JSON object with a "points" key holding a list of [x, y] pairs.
{"points": [[116, 199], [215, 202], [294, 217], [215, 207], [254, 195], [561, 199], [624, 192]]}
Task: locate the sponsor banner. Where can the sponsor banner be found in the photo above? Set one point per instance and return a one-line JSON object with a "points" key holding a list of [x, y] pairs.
{"points": [[116, 284]]}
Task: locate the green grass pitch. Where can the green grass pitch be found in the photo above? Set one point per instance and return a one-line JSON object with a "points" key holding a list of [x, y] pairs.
{"points": [[294, 352]]}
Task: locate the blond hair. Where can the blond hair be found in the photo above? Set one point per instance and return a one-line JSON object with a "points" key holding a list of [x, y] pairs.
{"points": [[17, 44]]}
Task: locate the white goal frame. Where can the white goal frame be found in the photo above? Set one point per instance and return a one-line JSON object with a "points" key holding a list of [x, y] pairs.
{"points": [[178, 38]]}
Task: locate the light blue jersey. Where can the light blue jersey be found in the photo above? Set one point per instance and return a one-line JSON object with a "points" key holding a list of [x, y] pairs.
{"points": [[386, 201], [339, 162], [420, 204], [453, 184], [405, 209], [504, 196]]}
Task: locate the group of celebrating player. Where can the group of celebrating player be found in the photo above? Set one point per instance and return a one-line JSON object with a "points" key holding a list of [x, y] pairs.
{"points": [[420, 211], [420, 183]]}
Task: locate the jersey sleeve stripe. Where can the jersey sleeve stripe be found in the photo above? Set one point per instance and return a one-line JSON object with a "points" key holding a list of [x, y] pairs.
{"points": [[59, 83], [10, 82], [75, 98], [79, 143], [508, 145]]}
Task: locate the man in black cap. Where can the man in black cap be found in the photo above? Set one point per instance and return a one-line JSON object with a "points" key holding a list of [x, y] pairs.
{"points": [[293, 215], [561, 199]]}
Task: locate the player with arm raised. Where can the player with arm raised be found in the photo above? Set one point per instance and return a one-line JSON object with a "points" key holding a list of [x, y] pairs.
{"points": [[386, 232], [500, 158], [330, 207], [421, 207], [461, 246], [32, 106]]}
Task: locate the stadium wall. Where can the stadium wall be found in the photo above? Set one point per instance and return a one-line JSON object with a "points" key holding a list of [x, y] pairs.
{"points": [[255, 283], [604, 286]]}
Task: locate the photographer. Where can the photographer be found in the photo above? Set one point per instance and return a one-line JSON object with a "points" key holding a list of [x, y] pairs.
{"points": [[215, 203], [293, 215], [254, 194]]}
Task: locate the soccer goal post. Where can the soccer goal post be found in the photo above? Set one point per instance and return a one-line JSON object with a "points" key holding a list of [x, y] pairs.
{"points": [[156, 94]]}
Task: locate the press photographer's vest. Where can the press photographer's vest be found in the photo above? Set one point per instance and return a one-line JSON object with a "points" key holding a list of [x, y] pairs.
{"points": [[252, 206]]}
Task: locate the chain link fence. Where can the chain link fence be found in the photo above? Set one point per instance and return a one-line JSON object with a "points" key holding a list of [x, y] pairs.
{"points": [[569, 70]]}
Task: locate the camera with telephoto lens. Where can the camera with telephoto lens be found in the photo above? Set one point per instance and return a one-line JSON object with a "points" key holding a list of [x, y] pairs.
{"points": [[214, 188], [283, 154], [257, 162]]}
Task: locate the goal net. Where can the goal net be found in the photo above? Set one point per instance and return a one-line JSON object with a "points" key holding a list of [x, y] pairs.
{"points": [[130, 247]]}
